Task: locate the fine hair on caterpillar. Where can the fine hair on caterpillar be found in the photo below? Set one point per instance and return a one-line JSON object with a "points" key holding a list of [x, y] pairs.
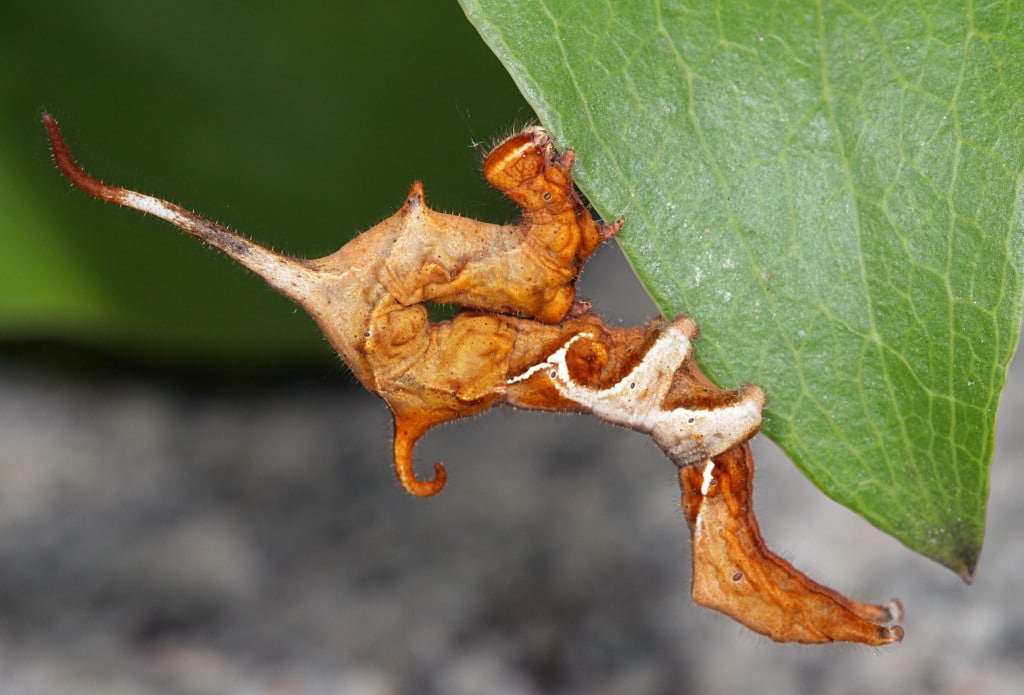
{"points": [[522, 337]]}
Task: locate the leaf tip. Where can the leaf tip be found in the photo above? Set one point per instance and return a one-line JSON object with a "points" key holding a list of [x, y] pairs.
{"points": [[967, 573]]}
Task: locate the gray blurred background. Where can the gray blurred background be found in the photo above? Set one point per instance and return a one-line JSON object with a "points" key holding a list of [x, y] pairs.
{"points": [[194, 497], [232, 538]]}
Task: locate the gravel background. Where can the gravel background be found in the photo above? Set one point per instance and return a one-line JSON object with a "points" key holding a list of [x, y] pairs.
{"points": [[166, 539]]}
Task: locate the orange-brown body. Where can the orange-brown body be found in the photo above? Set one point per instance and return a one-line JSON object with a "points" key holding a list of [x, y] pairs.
{"points": [[524, 339], [735, 573]]}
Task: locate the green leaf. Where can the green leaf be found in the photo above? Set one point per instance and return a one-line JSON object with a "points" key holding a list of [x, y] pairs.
{"points": [[834, 192]]}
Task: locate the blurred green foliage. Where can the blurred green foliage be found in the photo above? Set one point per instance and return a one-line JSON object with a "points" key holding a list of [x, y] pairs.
{"points": [[299, 125]]}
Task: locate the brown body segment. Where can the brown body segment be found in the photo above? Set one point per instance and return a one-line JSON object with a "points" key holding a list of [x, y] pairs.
{"points": [[735, 573]]}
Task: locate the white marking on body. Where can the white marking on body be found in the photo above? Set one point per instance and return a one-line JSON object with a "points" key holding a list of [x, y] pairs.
{"points": [[637, 400], [550, 363], [152, 206], [689, 436], [708, 478]]}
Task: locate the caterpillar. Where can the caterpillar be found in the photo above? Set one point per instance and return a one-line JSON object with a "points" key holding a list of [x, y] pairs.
{"points": [[522, 337]]}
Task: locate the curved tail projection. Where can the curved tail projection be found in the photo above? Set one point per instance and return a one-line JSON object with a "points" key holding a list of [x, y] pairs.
{"points": [[289, 276], [525, 339]]}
